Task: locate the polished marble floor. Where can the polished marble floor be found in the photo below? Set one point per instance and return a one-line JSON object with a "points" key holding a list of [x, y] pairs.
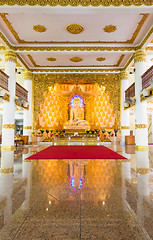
{"points": [[76, 199]]}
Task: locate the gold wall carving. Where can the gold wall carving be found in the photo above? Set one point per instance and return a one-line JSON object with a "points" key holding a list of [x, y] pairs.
{"points": [[124, 75], [8, 126], [142, 171], [39, 28], [6, 97], [125, 127], [140, 56], [41, 82], [6, 170], [139, 126], [75, 28], [110, 28], [10, 56], [75, 3]]}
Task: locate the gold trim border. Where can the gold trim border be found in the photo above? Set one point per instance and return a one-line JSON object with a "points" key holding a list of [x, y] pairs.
{"points": [[140, 126], [27, 127], [84, 3], [142, 171], [6, 170], [142, 148], [8, 126], [125, 127], [7, 148]]}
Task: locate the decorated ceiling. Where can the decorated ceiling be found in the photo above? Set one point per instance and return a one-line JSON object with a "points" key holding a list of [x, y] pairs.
{"points": [[75, 38]]}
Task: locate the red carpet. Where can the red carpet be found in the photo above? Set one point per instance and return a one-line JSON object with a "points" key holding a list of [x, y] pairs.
{"points": [[76, 152]]}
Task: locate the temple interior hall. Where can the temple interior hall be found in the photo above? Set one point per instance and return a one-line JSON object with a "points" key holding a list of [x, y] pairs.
{"points": [[76, 120]]}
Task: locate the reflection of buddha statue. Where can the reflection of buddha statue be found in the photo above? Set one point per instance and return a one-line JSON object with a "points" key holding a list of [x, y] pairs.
{"points": [[76, 111]]}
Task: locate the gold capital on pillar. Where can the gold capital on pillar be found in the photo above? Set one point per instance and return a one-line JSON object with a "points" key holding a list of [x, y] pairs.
{"points": [[8, 126], [28, 75], [124, 75], [10, 56], [140, 56]]}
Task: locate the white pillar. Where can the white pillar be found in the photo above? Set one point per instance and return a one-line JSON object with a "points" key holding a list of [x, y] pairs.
{"points": [[27, 128], [125, 123], [141, 122], [9, 108]]}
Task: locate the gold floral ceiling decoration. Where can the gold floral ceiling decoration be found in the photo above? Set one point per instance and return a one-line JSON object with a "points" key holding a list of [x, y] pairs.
{"points": [[39, 28], [75, 28], [75, 59], [51, 59], [100, 59], [110, 28]]}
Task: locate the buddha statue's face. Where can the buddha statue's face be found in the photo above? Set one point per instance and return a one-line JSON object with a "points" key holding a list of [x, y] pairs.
{"points": [[76, 103]]}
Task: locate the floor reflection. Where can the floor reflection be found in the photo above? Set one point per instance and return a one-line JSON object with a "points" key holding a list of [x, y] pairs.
{"points": [[76, 199]]}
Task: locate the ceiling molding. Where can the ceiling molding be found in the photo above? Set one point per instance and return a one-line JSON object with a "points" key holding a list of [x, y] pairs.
{"points": [[74, 3], [57, 66], [76, 70], [22, 41]]}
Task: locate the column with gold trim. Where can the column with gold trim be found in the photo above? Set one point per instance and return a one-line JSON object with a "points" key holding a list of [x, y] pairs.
{"points": [[141, 127], [9, 108], [27, 121], [125, 128]]}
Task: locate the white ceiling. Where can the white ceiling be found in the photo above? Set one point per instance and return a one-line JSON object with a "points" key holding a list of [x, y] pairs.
{"points": [[20, 21]]}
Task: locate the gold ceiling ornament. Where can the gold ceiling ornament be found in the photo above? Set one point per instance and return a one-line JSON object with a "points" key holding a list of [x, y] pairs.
{"points": [[10, 56], [28, 75], [51, 59], [39, 28], [75, 28], [110, 28], [139, 126], [6, 170], [140, 56], [74, 3], [100, 59], [142, 171], [124, 75], [15, 34], [8, 126], [76, 59]]}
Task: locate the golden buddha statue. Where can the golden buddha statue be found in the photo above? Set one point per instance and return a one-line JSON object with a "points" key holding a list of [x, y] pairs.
{"points": [[77, 110]]}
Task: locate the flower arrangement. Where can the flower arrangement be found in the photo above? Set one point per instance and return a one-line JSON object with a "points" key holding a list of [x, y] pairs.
{"points": [[42, 131], [109, 132], [115, 130], [87, 131], [103, 130]]}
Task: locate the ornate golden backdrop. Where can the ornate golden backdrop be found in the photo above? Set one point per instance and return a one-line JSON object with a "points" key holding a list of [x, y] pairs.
{"points": [[111, 82]]}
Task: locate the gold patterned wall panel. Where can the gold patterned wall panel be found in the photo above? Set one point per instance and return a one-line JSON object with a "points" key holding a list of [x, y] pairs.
{"points": [[111, 82]]}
